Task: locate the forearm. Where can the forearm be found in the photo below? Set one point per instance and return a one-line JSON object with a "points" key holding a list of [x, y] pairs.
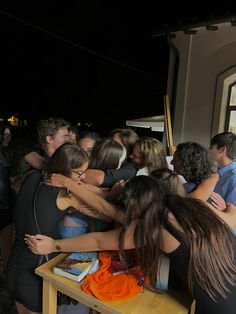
{"points": [[94, 201], [205, 188], [41, 244], [35, 160], [94, 241], [94, 213], [95, 189], [83, 243]]}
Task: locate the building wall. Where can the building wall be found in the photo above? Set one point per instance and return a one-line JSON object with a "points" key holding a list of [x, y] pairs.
{"points": [[203, 57]]}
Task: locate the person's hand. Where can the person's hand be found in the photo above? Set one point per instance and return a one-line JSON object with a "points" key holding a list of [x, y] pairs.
{"points": [[218, 202], [116, 190], [215, 176], [40, 244], [58, 180], [230, 208], [92, 188]]}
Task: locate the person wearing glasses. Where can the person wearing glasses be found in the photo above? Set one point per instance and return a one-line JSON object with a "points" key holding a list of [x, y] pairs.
{"points": [[40, 209], [106, 154]]}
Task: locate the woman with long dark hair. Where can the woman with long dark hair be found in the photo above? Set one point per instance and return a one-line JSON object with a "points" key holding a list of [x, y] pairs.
{"points": [[199, 243]]}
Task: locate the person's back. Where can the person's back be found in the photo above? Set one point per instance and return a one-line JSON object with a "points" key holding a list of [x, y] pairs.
{"points": [[35, 208], [40, 208], [44, 217], [179, 261], [205, 261]]}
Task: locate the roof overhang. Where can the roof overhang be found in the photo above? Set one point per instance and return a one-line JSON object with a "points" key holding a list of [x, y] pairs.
{"points": [[156, 123], [211, 23]]}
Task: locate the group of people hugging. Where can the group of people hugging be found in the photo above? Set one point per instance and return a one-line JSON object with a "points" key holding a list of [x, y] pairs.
{"points": [[85, 193]]}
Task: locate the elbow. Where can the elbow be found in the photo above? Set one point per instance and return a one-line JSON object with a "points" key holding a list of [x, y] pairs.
{"points": [[101, 246]]}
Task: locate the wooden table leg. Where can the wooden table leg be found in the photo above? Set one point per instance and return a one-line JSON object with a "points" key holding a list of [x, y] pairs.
{"points": [[49, 297]]}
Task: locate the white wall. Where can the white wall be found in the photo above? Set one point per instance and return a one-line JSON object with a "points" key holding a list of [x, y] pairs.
{"points": [[203, 57]]}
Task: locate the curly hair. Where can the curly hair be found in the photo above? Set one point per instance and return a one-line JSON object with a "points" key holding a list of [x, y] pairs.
{"points": [[191, 160]]}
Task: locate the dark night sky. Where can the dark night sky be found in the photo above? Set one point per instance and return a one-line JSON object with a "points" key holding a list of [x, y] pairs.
{"points": [[42, 74]]}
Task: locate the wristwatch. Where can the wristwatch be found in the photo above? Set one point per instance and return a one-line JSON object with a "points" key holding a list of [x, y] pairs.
{"points": [[57, 245]]}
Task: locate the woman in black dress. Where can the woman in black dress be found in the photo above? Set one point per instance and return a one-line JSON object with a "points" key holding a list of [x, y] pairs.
{"points": [[40, 209]]}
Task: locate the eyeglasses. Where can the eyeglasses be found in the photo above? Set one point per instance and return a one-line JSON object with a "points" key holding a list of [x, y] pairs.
{"points": [[79, 173]]}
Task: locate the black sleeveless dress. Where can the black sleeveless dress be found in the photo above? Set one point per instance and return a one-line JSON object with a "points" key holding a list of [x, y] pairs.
{"points": [[21, 278], [179, 259]]}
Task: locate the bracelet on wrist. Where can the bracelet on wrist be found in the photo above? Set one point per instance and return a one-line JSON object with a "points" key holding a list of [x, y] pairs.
{"points": [[58, 245]]}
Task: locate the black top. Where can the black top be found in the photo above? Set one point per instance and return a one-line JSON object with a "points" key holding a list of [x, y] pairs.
{"points": [[22, 281], [42, 153], [125, 172], [179, 259]]}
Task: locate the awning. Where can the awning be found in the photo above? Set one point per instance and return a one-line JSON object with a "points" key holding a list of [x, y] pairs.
{"points": [[156, 123]]}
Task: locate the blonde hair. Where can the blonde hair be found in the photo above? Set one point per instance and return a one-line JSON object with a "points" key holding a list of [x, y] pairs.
{"points": [[152, 153]]}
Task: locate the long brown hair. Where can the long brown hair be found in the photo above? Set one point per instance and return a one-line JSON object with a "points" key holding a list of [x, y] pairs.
{"points": [[209, 239], [66, 158], [106, 154], [143, 205], [211, 243]]}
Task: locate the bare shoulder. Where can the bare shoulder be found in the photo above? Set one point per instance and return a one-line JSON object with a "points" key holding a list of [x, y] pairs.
{"points": [[65, 202], [170, 243]]}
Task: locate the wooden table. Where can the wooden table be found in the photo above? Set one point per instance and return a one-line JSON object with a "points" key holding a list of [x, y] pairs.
{"points": [[146, 302]]}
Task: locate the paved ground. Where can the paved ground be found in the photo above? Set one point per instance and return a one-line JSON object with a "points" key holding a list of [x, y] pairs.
{"points": [[7, 305]]}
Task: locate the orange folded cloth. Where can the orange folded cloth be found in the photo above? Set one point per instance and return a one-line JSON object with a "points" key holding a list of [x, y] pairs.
{"points": [[105, 286]]}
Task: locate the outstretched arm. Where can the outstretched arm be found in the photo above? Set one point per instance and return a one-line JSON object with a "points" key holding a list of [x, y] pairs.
{"points": [[35, 160], [88, 197], [93, 241], [205, 188], [85, 209]]}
